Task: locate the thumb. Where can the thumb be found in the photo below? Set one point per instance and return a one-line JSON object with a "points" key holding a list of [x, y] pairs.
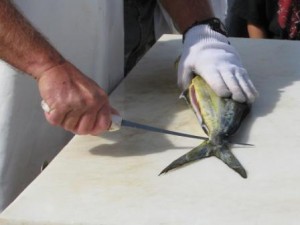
{"points": [[184, 76]]}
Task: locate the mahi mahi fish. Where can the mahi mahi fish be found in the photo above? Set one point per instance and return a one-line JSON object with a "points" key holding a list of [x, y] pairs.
{"points": [[219, 118]]}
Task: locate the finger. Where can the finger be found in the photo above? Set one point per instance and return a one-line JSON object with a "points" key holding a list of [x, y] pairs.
{"points": [[55, 114], [55, 117], [234, 86], [184, 75], [217, 83], [103, 121], [86, 123], [71, 120], [246, 85]]}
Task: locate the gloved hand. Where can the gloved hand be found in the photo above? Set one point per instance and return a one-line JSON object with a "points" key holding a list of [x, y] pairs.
{"points": [[209, 54]]}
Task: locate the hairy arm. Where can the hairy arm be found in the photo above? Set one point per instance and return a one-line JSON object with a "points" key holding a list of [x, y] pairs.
{"points": [[21, 45], [185, 12], [256, 31], [76, 102]]}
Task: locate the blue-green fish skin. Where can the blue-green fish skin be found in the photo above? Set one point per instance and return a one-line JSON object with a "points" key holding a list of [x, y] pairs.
{"points": [[220, 118]]}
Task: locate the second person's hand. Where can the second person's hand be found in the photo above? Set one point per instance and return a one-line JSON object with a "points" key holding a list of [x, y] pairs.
{"points": [[208, 53]]}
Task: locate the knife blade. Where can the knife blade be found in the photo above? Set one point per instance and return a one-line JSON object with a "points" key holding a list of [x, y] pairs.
{"points": [[118, 122]]}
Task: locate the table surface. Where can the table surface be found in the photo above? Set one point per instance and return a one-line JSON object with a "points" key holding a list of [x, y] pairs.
{"points": [[113, 179]]}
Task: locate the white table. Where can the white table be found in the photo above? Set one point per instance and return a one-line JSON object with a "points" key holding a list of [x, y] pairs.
{"points": [[112, 179]]}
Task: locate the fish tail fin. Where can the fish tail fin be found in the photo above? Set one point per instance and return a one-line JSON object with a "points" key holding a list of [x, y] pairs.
{"points": [[230, 160], [202, 151], [207, 149]]}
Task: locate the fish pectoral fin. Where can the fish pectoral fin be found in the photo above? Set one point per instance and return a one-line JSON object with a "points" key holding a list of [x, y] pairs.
{"points": [[200, 152], [230, 160]]}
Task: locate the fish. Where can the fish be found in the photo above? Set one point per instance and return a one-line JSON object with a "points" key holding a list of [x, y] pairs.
{"points": [[219, 118]]}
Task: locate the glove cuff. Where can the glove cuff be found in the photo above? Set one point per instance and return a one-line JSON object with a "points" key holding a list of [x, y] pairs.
{"points": [[207, 29], [205, 34]]}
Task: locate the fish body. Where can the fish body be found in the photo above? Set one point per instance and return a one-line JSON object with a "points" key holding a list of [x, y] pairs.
{"points": [[220, 118]]}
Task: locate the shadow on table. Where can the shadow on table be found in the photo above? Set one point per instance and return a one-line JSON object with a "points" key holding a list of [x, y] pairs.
{"points": [[272, 66]]}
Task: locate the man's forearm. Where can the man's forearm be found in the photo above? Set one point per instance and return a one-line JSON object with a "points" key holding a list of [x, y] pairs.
{"points": [[186, 12], [21, 45], [256, 31]]}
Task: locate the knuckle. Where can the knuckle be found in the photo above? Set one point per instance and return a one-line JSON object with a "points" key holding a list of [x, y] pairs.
{"points": [[93, 102]]}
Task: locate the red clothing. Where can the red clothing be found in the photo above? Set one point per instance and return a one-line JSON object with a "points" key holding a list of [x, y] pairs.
{"points": [[279, 18], [289, 16]]}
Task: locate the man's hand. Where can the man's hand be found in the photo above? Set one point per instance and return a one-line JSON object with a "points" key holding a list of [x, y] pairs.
{"points": [[76, 102], [209, 54]]}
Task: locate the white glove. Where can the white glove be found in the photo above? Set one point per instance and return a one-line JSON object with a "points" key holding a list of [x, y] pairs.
{"points": [[209, 54]]}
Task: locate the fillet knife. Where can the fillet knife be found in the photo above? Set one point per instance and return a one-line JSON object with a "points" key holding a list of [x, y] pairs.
{"points": [[118, 122]]}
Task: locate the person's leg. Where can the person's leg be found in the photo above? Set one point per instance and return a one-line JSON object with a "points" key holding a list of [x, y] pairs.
{"points": [[236, 26], [139, 30]]}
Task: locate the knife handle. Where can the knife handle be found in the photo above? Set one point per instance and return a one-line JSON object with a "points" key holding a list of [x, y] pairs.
{"points": [[116, 122]]}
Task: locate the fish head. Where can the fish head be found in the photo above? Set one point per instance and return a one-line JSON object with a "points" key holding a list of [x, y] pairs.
{"points": [[219, 117], [191, 96]]}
